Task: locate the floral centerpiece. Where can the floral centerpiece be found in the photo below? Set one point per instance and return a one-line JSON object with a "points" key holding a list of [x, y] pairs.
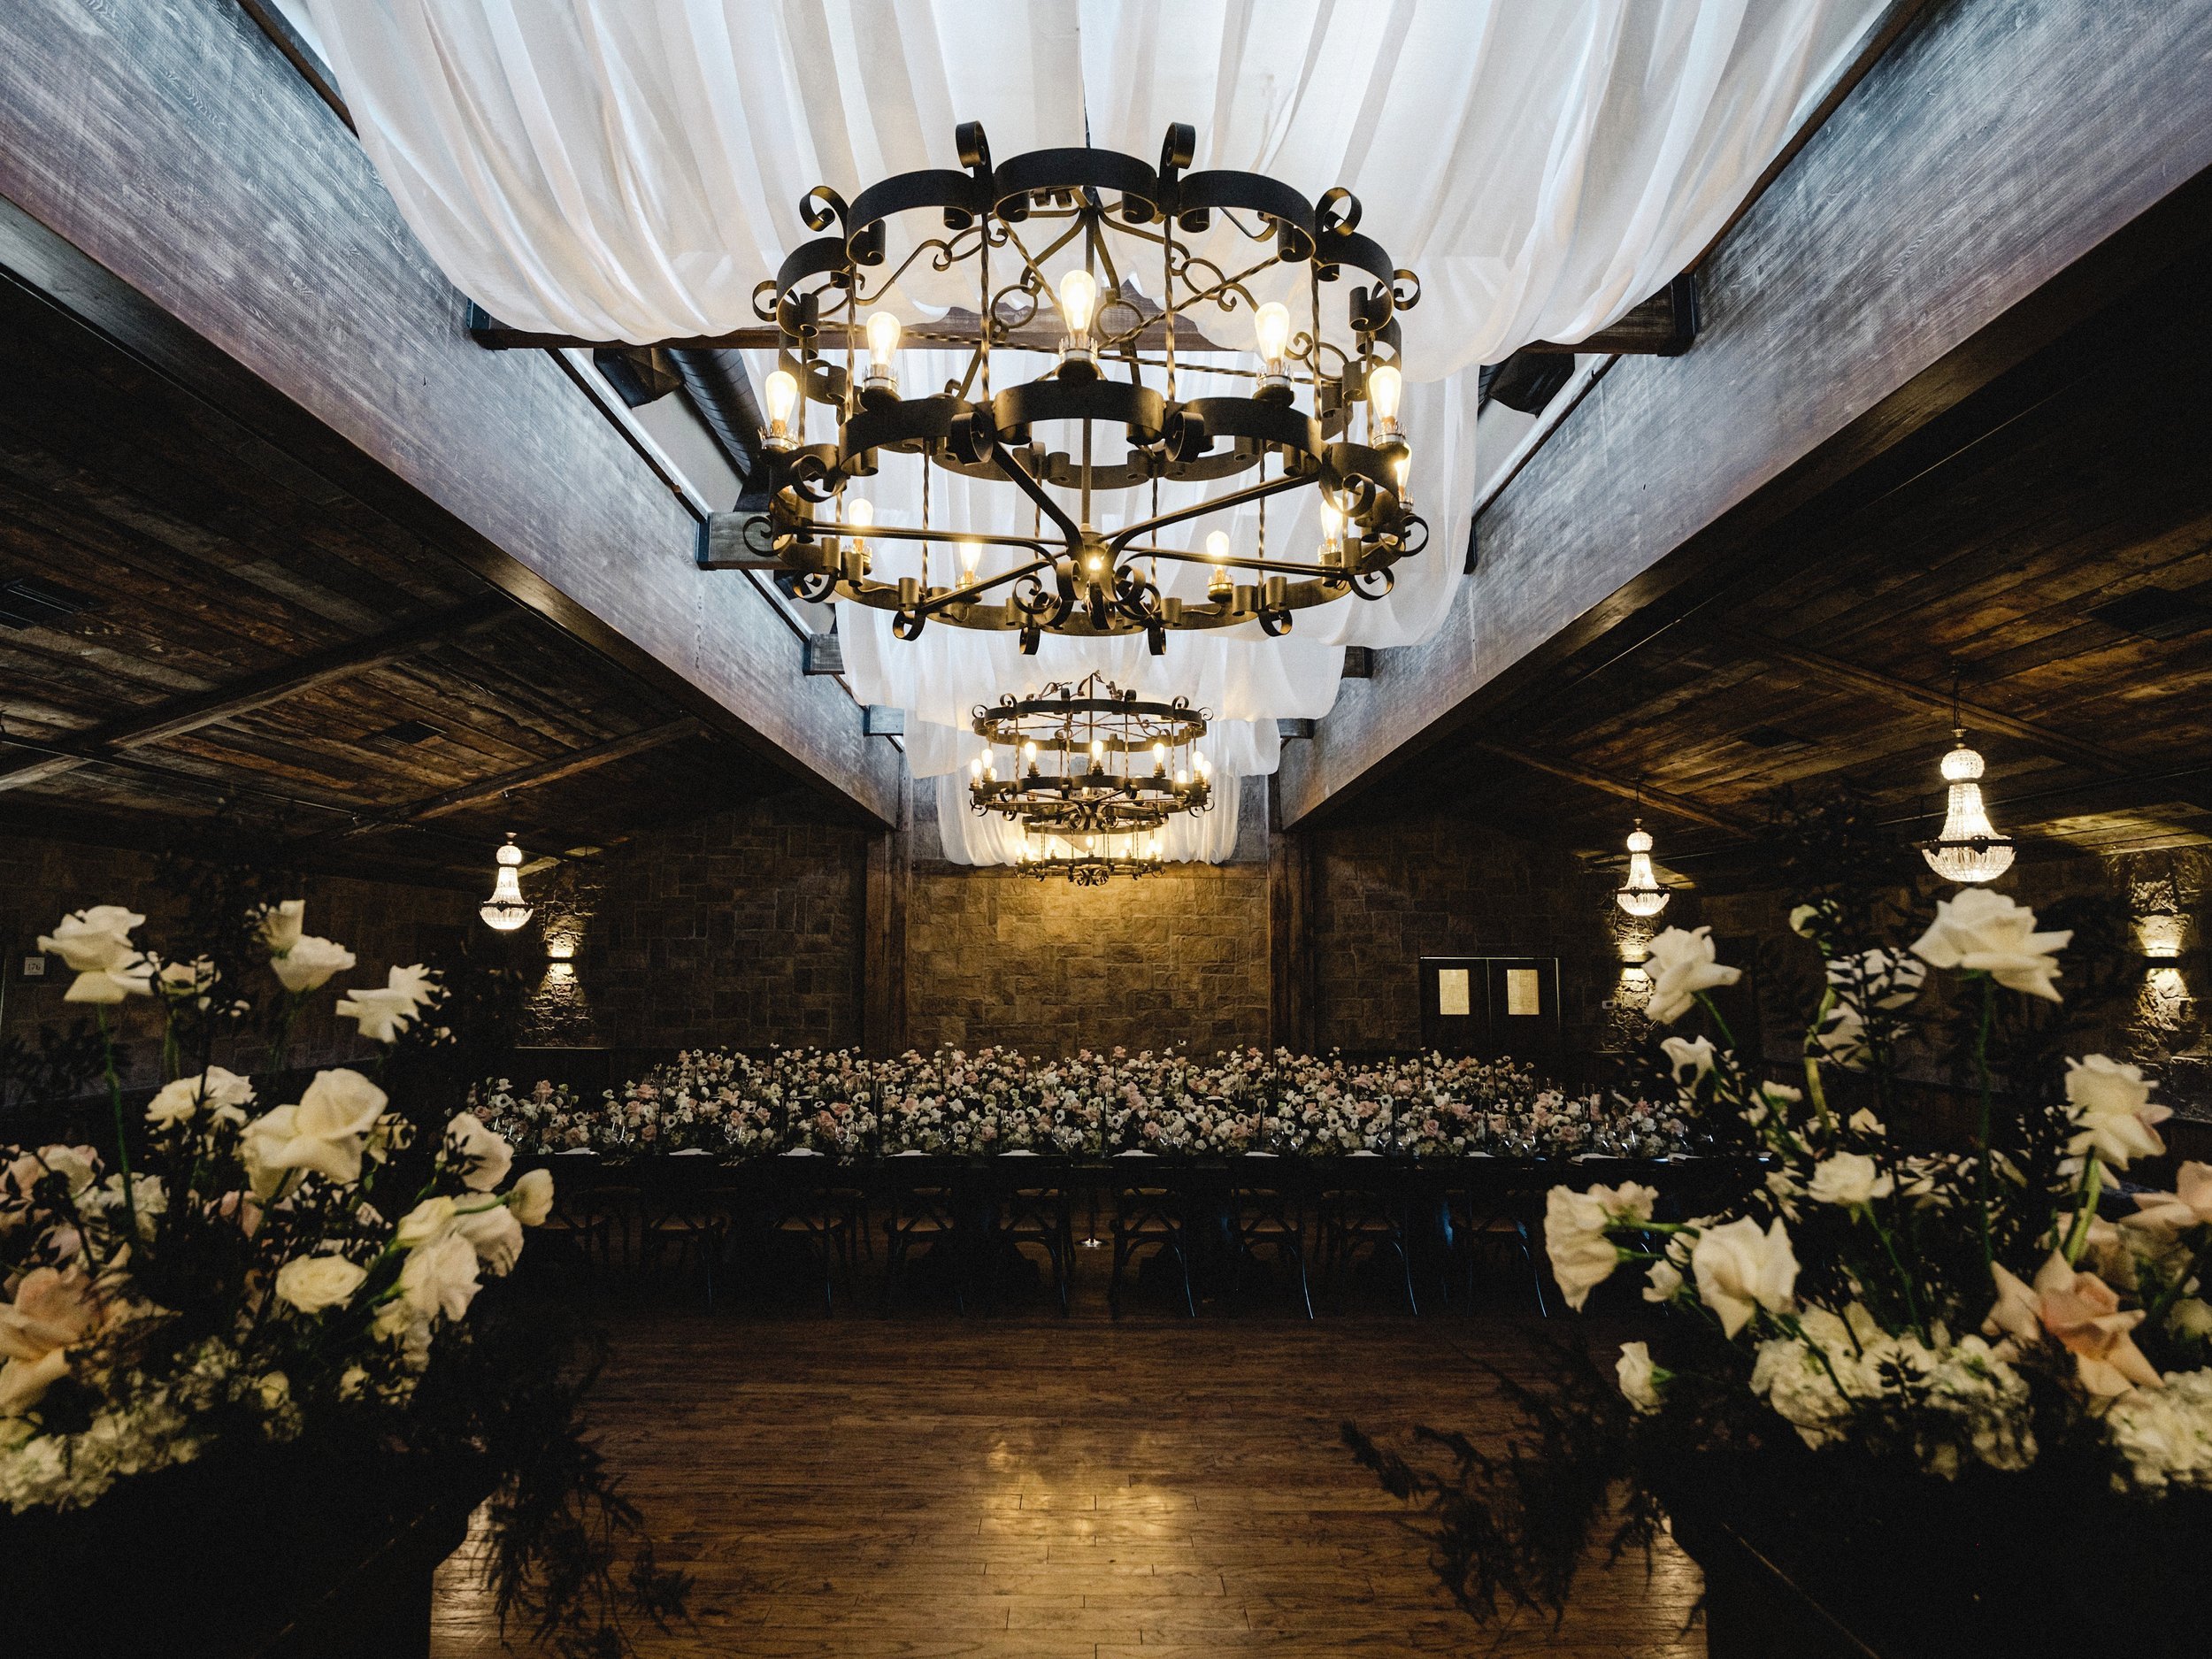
{"points": [[1990, 1325], [955, 1103], [242, 1264]]}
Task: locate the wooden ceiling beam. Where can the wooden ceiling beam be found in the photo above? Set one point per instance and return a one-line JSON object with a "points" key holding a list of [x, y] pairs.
{"points": [[2040, 166], [487, 790], [197, 709], [1626, 789], [1904, 694]]}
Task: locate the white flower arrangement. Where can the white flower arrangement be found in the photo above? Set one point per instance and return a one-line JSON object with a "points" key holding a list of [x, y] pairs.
{"points": [[1963, 1299], [241, 1278]]}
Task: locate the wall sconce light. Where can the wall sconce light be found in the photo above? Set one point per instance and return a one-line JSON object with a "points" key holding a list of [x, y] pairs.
{"points": [[2161, 934], [561, 947], [1635, 982]]}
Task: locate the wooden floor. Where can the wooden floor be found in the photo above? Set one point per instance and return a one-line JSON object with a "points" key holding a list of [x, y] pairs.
{"points": [[930, 1487]]}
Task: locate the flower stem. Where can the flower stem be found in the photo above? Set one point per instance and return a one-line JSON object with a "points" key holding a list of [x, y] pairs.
{"points": [[2084, 1211], [115, 1105], [1904, 1280], [1981, 1073], [1719, 1023]]}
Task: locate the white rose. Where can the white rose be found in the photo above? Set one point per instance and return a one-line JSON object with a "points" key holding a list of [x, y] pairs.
{"points": [[176, 1103], [1681, 964], [430, 1219], [484, 1156], [1866, 1122], [1692, 1054], [1983, 931], [1739, 1269], [1639, 1377], [351, 1383], [384, 1013], [2188, 1205], [495, 1236], [324, 1132], [94, 940], [1582, 1257], [312, 1283], [2110, 1106], [1800, 919], [274, 1389], [280, 925], [309, 964], [440, 1277], [1842, 1037], [532, 1200], [1849, 1178], [1663, 1281]]}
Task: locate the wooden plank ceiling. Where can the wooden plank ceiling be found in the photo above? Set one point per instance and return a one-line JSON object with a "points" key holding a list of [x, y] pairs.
{"points": [[372, 702], [2056, 552]]}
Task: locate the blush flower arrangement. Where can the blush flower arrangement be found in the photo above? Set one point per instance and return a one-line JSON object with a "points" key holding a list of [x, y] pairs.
{"points": [[955, 1103], [243, 1267], [1995, 1324]]}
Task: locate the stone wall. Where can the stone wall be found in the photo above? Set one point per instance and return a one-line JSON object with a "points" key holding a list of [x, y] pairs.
{"points": [[744, 928], [1388, 894], [1176, 959], [383, 923]]}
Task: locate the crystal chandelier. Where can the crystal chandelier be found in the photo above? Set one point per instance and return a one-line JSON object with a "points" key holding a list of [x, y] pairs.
{"points": [[505, 909], [1090, 861], [1114, 226], [1969, 849], [1641, 895], [1089, 758]]}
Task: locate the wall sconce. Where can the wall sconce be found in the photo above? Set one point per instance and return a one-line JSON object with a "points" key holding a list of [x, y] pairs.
{"points": [[1635, 982], [2161, 934], [561, 947]]}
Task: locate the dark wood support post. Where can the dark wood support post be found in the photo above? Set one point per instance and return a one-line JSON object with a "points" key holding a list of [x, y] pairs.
{"points": [[1291, 1016], [883, 956]]}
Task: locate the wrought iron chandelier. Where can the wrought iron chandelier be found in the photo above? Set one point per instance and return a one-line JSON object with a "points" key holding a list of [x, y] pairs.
{"points": [[1089, 864], [1114, 221], [1090, 759]]}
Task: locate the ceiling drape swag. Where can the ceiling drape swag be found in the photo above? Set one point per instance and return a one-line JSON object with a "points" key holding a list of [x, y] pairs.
{"points": [[631, 169]]}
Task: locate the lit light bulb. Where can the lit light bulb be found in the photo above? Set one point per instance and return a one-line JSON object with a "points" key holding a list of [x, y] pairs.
{"points": [[1332, 528], [506, 911], [884, 331], [1968, 848], [1404, 472], [1205, 767], [1078, 296], [1641, 895], [1182, 779], [1383, 385], [1159, 757], [1218, 584], [975, 767], [1098, 752], [1029, 752], [783, 396], [1270, 325]]}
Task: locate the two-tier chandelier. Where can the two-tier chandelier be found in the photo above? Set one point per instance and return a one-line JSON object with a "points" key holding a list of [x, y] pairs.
{"points": [[1113, 226], [1089, 758], [1968, 848], [1090, 861]]}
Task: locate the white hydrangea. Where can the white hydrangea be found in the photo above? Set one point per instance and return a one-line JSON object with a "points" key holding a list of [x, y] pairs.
{"points": [[2165, 1434]]}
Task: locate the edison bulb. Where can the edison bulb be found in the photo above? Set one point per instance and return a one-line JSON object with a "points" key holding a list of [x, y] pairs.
{"points": [[970, 552], [783, 393], [1383, 385], [1078, 295], [783, 396], [1270, 327], [1332, 523], [1205, 767], [860, 512], [884, 331], [1218, 547], [1159, 757], [1029, 751], [1098, 751]]}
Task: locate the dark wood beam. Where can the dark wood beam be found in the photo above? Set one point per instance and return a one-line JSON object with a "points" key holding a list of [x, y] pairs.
{"points": [[2035, 166], [1626, 789], [201, 709], [253, 257], [1904, 694], [1664, 326], [487, 790]]}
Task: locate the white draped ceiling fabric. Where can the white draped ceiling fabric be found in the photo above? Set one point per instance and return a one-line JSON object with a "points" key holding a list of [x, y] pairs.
{"points": [[631, 169]]}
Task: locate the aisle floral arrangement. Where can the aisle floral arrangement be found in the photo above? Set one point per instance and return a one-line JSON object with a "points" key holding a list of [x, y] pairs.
{"points": [[235, 1265], [956, 1102], [1976, 1313]]}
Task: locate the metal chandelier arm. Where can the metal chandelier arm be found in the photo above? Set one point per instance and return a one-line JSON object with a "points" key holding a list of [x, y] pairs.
{"points": [[1121, 539], [1019, 476]]}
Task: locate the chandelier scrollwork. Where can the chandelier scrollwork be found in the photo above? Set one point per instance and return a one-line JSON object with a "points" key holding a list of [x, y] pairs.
{"points": [[1090, 759], [1115, 374], [1086, 863]]}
